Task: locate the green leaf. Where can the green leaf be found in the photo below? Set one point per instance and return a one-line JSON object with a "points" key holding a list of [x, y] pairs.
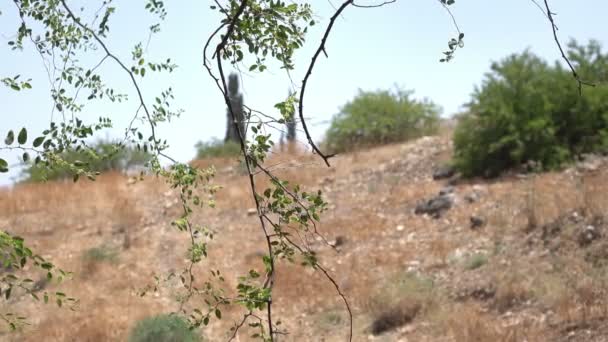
{"points": [[218, 313], [3, 166], [26, 157], [22, 138], [10, 137], [38, 141]]}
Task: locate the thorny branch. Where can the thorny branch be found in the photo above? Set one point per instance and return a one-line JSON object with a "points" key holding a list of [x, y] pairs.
{"points": [[251, 164], [122, 66], [580, 82], [311, 66], [376, 5]]}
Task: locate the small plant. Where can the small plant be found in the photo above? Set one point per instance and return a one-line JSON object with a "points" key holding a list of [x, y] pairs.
{"points": [[102, 253], [399, 301], [217, 149], [476, 261], [163, 328], [93, 257]]}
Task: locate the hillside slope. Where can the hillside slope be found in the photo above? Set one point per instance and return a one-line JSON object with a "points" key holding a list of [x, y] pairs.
{"points": [[520, 258]]}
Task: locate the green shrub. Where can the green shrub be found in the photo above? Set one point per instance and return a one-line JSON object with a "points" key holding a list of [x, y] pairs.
{"points": [[100, 254], [217, 148], [476, 261], [527, 110], [100, 156], [163, 328], [381, 117]]}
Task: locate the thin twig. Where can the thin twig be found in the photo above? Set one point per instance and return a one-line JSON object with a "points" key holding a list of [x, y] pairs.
{"points": [[124, 67], [376, 5], [311, 66], [561, 50]]}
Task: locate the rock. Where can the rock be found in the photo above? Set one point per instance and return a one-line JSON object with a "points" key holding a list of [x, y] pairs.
{"points": [[400, 227], [435, 206], [327, 181], [338, 241], [590, 163], [588, 235], [471, 197], [447, 190], [444, 171], [477, 222], [252, 211]]}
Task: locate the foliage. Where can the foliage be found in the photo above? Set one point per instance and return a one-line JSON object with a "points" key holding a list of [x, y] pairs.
{"points": [[527, 110], [163, 328], [251, 35], [100, 254], [16, 256], [217, 148], [102, 156], [381, 117], [476, 261]]}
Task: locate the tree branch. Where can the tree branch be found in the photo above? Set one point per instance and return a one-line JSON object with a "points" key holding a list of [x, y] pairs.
{"points": [[561, 50], [311, 66]]}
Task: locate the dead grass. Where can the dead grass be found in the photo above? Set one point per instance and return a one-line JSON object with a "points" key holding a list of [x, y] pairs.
{"points": [[66, 219]]}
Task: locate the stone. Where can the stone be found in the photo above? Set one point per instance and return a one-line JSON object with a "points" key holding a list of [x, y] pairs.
{"points": [[338, 241], [252, 211], [435, 206], [444, 171], [447, 190], [477, 222], [588, 235], [471, 197]]}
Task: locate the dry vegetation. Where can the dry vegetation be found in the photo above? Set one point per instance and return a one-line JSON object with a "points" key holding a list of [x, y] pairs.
{"points": [[534, 271]]}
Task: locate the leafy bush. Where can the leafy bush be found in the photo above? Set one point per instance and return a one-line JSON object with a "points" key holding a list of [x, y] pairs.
{"points": [[163, 328], [381, 117], [527, 110], [217, 148], [101, 156], [100, 254]]}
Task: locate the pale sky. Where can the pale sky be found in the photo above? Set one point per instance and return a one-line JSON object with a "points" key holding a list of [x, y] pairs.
{"points": [[399, 44]]}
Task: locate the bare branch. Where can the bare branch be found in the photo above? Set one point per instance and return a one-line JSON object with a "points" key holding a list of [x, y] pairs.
{"points": [[580, 82], [311, 66], [376, 5], [124, 67]]}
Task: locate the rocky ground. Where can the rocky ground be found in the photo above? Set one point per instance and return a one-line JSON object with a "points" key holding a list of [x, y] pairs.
{"points": [[421, 254]]}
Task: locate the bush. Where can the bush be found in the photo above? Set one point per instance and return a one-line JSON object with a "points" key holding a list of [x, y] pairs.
{"points": [[381, 117], [217, 148], [527, 110], [101, 156], [163, 328]]}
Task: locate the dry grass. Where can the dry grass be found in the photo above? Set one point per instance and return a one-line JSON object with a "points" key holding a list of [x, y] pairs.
{"points": [[65, 220]]}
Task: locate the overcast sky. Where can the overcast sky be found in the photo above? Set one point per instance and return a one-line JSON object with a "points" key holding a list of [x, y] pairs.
{"points": [[399, 44]]}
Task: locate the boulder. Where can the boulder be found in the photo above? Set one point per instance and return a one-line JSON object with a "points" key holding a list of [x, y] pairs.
{"points": [[477, 222], [443, 172], [435, 206]]}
